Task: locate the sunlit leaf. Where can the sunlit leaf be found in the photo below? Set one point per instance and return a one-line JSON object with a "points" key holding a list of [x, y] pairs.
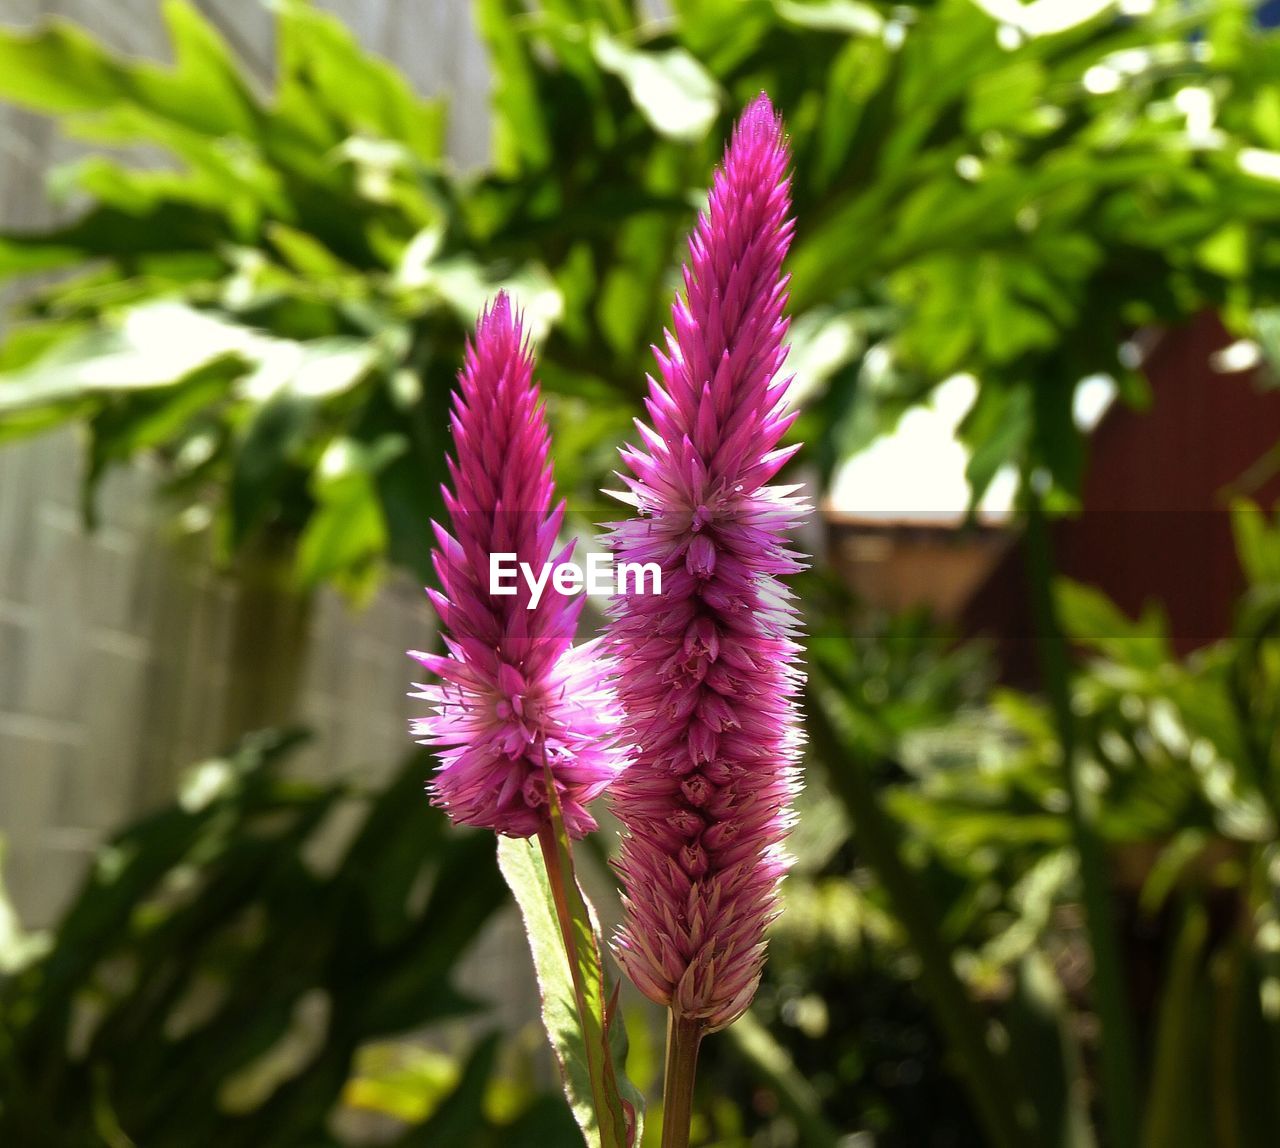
{"points": [[672, 90]]}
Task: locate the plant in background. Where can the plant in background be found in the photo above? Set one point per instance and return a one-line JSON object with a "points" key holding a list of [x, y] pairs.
{"points": [[229, 967], [707, 670], [322, 261]]}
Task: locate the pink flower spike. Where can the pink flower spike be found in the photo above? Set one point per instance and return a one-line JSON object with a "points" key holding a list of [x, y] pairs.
{"points": [[512, 694], [708, 670]]}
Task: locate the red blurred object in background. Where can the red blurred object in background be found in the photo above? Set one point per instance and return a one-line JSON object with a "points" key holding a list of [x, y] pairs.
{"points": [[1157, 492]]}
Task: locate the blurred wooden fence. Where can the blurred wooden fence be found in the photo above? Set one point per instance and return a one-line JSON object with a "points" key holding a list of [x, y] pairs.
{"points": [[119, 658]]}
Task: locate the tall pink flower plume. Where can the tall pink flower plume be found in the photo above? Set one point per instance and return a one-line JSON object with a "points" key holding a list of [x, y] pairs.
{"points": [[512, 692], [708, 668]]}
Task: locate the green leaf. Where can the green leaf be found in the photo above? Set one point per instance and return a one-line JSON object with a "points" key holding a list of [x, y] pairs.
{"points": [[722, 32], [848, 16], [1090, 617], [572, 989], [1179, 1110], [211, 81], [1226, 251], [772, 1064], [671, 89], [853, 82], [346, 536], [156, 345], [18, 948], [1001, 98], [261, 459], [455, 1123], [522, 140], [60, 68], [1257, 542], [468, 286], [822, 340], [322, 60], [305, 254], [997, 431], [109, 232], [1041, 1028]]}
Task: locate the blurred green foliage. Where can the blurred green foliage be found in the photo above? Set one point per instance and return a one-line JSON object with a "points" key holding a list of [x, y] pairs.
{"points": [[1181, 758], [276, 307], [231, 956]]}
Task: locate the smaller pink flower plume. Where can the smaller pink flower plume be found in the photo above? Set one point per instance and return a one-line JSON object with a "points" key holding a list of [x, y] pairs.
{"points": [[513, 695], [708, 672]]}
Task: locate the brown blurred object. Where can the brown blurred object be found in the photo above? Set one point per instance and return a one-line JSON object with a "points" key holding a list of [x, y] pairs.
{"points": [[896, 565], [1155, 525]]}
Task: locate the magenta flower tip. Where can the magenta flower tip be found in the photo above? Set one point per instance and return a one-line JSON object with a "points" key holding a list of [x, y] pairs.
{"points": [[709, 671], [511, 696], [758, 122]]}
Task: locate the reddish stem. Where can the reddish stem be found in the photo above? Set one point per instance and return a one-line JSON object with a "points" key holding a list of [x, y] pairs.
{"points": [[684, 1035]]}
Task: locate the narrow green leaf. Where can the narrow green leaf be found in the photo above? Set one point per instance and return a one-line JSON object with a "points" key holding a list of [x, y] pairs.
{"points": [[1177, 1115], [997, 431], [1041, 1029], [572, 988], [773, 1065]]}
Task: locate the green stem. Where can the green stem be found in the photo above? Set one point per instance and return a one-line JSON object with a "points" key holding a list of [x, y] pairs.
{"points": [[684, 1035], [581, 946], [556, 878], [998, 1094], [1119, 1071]]}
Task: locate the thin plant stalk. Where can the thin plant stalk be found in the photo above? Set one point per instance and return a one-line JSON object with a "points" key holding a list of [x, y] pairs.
{"points": [[1119, 1064], [556, 876], [684, 1036], [577, 922]]}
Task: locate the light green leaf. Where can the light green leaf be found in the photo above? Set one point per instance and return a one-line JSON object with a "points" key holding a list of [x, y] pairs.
{"points": [[521, 137], [156, 345], [346, 536], [675, 94], [59, 68], [1090, 617], [18, 948], [848, 16], [1226, 251], [1257, 542], [822, 341], [574, 1003], [305, 254], [321, 59], [467, 287]]}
